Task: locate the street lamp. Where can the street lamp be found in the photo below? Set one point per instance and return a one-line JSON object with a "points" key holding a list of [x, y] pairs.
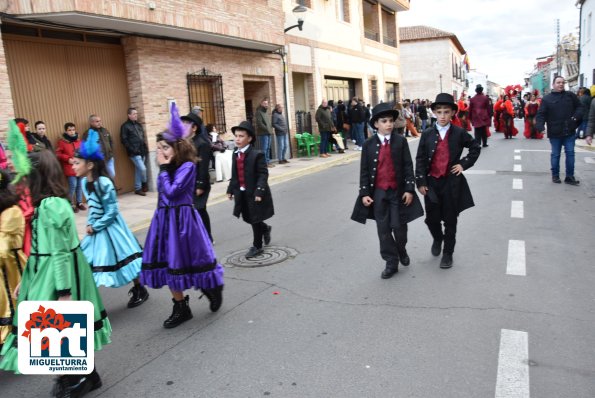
{"points": [[297, 11]]}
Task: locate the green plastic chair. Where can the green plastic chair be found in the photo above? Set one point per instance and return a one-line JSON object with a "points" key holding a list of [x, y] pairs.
{"points": [[310, 142], [301, 145]]}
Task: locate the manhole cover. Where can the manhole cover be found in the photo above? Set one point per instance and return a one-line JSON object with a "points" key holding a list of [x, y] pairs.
{"points": [[272, 255]]}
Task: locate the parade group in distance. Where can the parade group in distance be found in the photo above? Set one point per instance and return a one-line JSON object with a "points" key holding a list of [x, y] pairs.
{"points": [[42, 258]]}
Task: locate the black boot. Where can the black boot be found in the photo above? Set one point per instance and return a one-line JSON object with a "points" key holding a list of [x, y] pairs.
{"points": [[73, 386], [139, 295], [215, 297], [267, 235], [181, 313]]}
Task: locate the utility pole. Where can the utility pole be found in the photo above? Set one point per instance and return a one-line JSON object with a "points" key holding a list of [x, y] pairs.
{"points": [[558, 61]]}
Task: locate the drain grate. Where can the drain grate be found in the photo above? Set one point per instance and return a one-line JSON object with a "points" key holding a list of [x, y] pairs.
{"points": [[272, 255]]}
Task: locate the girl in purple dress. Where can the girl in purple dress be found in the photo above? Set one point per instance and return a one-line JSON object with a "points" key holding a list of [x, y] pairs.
{"points": [[178, 252]]}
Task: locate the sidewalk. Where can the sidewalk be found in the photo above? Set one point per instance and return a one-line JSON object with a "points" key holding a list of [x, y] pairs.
{"points": [[580, 143], [138, 210]]}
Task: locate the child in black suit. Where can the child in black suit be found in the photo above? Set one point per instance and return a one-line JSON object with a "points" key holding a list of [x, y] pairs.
{"points": [[438, 173], [249, 187], [387, 188]]}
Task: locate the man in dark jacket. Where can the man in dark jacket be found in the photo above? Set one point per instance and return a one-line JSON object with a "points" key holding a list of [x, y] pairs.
{"points": [[132, 136], [264, 129], [357, 115], [105, 140], [590, 124], [280, 127], [202, 143], [560, 110]]}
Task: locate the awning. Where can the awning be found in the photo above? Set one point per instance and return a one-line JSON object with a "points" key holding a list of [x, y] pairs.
{"points": [[141, 28]]}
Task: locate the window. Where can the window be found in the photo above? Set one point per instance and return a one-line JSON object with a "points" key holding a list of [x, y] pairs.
{"points": [[343, 10], [389, 28], [205, 89], [305, 3], [392, 92], [371, 28], [373, 92]]}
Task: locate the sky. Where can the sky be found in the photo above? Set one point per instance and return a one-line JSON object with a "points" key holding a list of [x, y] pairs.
{"points": [[502, 37]]}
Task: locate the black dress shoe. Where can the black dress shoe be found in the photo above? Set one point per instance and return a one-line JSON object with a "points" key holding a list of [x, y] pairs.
{"points": [[253, 252], [389, 271], [571, 181], [436, 247], [267, 235], [71, 386], [139, 295], [215, 297], [404, 259], [556, 180], [446, 261]]}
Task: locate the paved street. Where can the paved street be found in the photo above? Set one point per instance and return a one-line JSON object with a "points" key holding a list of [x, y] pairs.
{"points": [[514, 317]]}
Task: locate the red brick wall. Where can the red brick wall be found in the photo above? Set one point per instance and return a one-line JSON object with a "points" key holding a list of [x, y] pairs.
{"points": [[157, 72]]}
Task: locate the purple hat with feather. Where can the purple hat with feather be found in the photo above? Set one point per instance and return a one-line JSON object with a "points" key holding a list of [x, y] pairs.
{"points": [[176, 129]]}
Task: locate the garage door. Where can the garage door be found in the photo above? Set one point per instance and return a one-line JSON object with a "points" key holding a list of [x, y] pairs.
{"points": [[59, 81]]}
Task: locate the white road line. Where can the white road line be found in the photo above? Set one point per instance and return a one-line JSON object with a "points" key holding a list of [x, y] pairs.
{"points": [[517, 157], [513, 365], [517, 151], [517, 183], [516, 258], [470, 171], [517, 209], [590, 160], [532, 150], [517, 167]]}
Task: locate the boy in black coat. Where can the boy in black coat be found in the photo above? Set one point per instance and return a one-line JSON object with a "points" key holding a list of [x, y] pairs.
{"points": [[387, 188], [249, 187], [438, 174]]}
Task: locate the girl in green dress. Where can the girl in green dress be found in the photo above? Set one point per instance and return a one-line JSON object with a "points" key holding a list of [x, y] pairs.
{"points": [[56, 268]]}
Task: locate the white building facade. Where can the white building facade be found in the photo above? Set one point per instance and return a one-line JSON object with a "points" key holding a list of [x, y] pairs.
{"points": [[346, 48], [431, 62], [586, 43]]}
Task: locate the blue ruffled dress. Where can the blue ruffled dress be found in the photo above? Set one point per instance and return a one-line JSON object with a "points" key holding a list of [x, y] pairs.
{"points": [[113, 252]]}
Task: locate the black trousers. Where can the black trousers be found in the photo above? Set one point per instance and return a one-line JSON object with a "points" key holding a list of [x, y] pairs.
{"points": [[206, 220], [440, 209], [391, 233], [481, 135], [258, 228]]}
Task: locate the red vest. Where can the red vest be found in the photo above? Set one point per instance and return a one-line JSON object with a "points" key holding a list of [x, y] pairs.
{"points": [[386, 177], [439, 166], [240, 165]]}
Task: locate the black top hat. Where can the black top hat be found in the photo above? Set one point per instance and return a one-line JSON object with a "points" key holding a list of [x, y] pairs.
{"points": [[383, 109], [191, 117], [245, 125], [478, 88], [445, 99]]}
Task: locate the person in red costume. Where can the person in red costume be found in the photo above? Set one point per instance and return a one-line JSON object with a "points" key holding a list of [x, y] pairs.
{"points": [[463, 114], [498, 114], [507, 118], [530, 112]]}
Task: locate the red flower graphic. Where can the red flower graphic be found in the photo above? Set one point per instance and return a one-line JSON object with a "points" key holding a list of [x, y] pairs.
{"points": [[43, 319]]}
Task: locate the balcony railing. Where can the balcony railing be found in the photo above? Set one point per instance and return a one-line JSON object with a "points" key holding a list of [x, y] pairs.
{"points": [[369, 34], [389, 41]]}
